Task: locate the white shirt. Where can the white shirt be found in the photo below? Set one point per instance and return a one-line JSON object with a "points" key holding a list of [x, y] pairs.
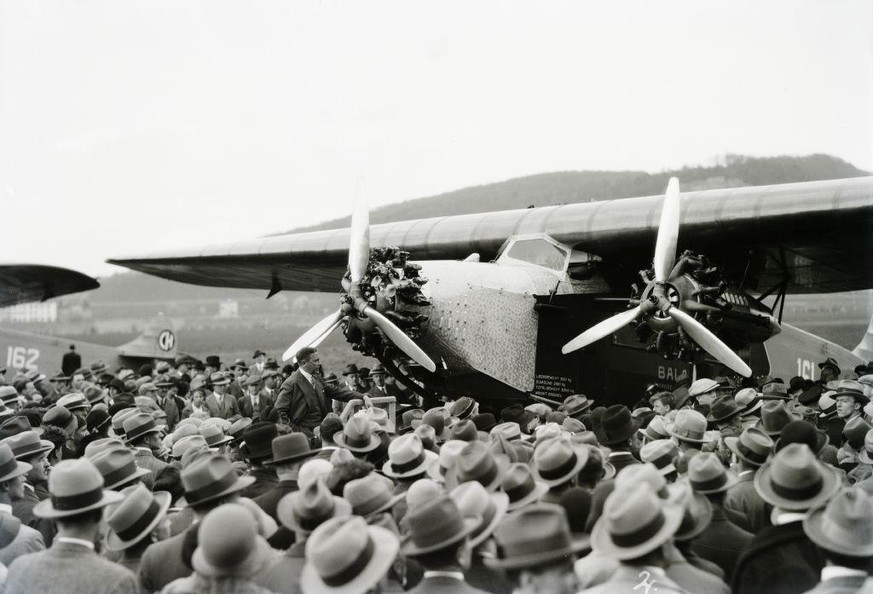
{"points": [[831, 572], [75, 541], [308, 376], [449, 574]]}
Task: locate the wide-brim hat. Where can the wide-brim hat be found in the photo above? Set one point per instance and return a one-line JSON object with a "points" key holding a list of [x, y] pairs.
{"points": [[248, 566], [491, 478], [487, 525], [291, 519], [617, 425], [840, 535], [602, 542], [27, 444], [765, 488], [116, 543], [381, 557], [745, 453], [13, 468], [697, 511], [46, 508], [409, 548], [426, 459], [539, 489], [567, 471], [339, 439], [211, 477], [286, 448]]}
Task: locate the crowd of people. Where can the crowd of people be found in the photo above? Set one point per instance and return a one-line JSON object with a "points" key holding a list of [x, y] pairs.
{"points": [[245, 477]]}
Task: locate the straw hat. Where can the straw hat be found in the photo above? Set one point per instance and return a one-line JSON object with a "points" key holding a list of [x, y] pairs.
{"points": [[76, 487], [752, 446], [371, 495], [795, 480], [845, 525], [706, 474], [118, 467], [229, 543], [436, 525], [9, 466], [535, 535], [136, 517], [210, 477], [304, 510], [520, 486], [357, 436], [557, 461], [407, 457], [474, 501]]}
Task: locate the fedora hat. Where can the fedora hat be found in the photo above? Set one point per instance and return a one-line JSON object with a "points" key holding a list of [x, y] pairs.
{"points": [[573, 425], [514, 451], [214, 436], [774, 416], [656, 429], [803, 432], [436, 419], [474, 501], [428, 437], [290, 447], [660, 453], [189, 442], [775, 391], [347, 556], [830, 363], [257, 441], [752, 446], [138, 425], [9, 466], [748, 400], [463, 407], [304, 510], [408, 416], [689, 425], [238, 427], [520, 486], [76, 486], [210, 477], [639, 474], [73, 401], [855, 431], [136, 516], [697, 511], [723, 409], [27, 443], [576, 404], [617, 425], [219, 378], [535, 535], [436, 525], [8, 395], [449, 453], [96, 419], [464, 430], [706, 474], [558, 461], [484, 422], [407, 457], [15, 425], [350, 369], [844, 525], [422, 491], [510, 430], [357, 435], [795, 480], [370, 495], [476, 462], [118, 467], [99, 445], [228, 543], [852, 388], [634, 522]]}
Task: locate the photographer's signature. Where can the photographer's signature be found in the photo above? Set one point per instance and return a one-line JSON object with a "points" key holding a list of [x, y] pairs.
{"points": [[645, 584]]}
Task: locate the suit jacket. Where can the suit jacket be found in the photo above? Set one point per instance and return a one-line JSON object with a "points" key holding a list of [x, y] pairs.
{"points": [[27, 540], [161, 472], [265, 479], [23, 510], [306, 404], [629, 578], [174, 414], [780, 559], [70, 362], [742, 498], [68, 568], [269, 500], [162, 563], [444, 585], [722, 542], [228, 409], [246, 408]]}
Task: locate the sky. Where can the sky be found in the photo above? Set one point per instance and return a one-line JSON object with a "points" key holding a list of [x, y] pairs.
{"points": [[132, 126]]}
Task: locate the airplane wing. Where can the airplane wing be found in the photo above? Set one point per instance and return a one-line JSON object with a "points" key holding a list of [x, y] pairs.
{"points": [[816, 236], [21, 283]]}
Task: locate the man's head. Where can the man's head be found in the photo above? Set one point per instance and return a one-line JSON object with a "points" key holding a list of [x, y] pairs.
{"points": [[662, 403], [377, 374], [848, 406], [308, 360]]}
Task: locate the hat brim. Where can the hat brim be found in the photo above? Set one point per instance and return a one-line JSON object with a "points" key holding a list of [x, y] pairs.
{"points": [[410, 549], [813, 526], [628, 432], [830, 485], [385, 550], [701, 521], [21, 468], [140, 472], [501, 503], [339, 439], [502, 462], [143, 434], [114, 543], [577, 545], [45, 447], [45, 509], [429, 458], [258, 555], [864, 457], [289, 519], [540, 489], [394, 500], [727, 417], [731, 480], [241, 483], [433, 472], [602, 543], [300, 456]]}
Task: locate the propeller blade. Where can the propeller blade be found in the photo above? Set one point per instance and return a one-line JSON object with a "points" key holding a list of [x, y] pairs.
{"points": [[327, 333], [328, 324], [604, 328], [709, 341], [400, 339], [359, 239], [668, 232]]}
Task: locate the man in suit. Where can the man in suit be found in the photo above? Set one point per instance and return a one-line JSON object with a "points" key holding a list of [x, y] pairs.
{"points": [[71, 361], [254, 401], [72, 565], [220, 403], [268, 385], [143, 436], [751, 450], [27, 447], [304, 398], [16, 539]]}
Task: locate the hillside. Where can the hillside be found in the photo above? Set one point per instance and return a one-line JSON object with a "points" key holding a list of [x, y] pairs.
{"points": [[547, 189]]}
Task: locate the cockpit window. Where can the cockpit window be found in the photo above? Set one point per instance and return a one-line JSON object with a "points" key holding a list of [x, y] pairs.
{"points": [[539, 252]]}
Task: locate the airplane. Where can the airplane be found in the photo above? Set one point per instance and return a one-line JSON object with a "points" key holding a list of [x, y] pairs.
{"points": [[24, 283], [507, 304]]}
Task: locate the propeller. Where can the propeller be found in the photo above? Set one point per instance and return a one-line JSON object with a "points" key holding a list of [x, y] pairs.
{"points": [[657, 306], [355, 304]]}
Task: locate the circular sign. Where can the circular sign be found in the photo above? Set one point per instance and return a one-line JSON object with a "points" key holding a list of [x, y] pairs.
{"points": [[166, 340]]}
